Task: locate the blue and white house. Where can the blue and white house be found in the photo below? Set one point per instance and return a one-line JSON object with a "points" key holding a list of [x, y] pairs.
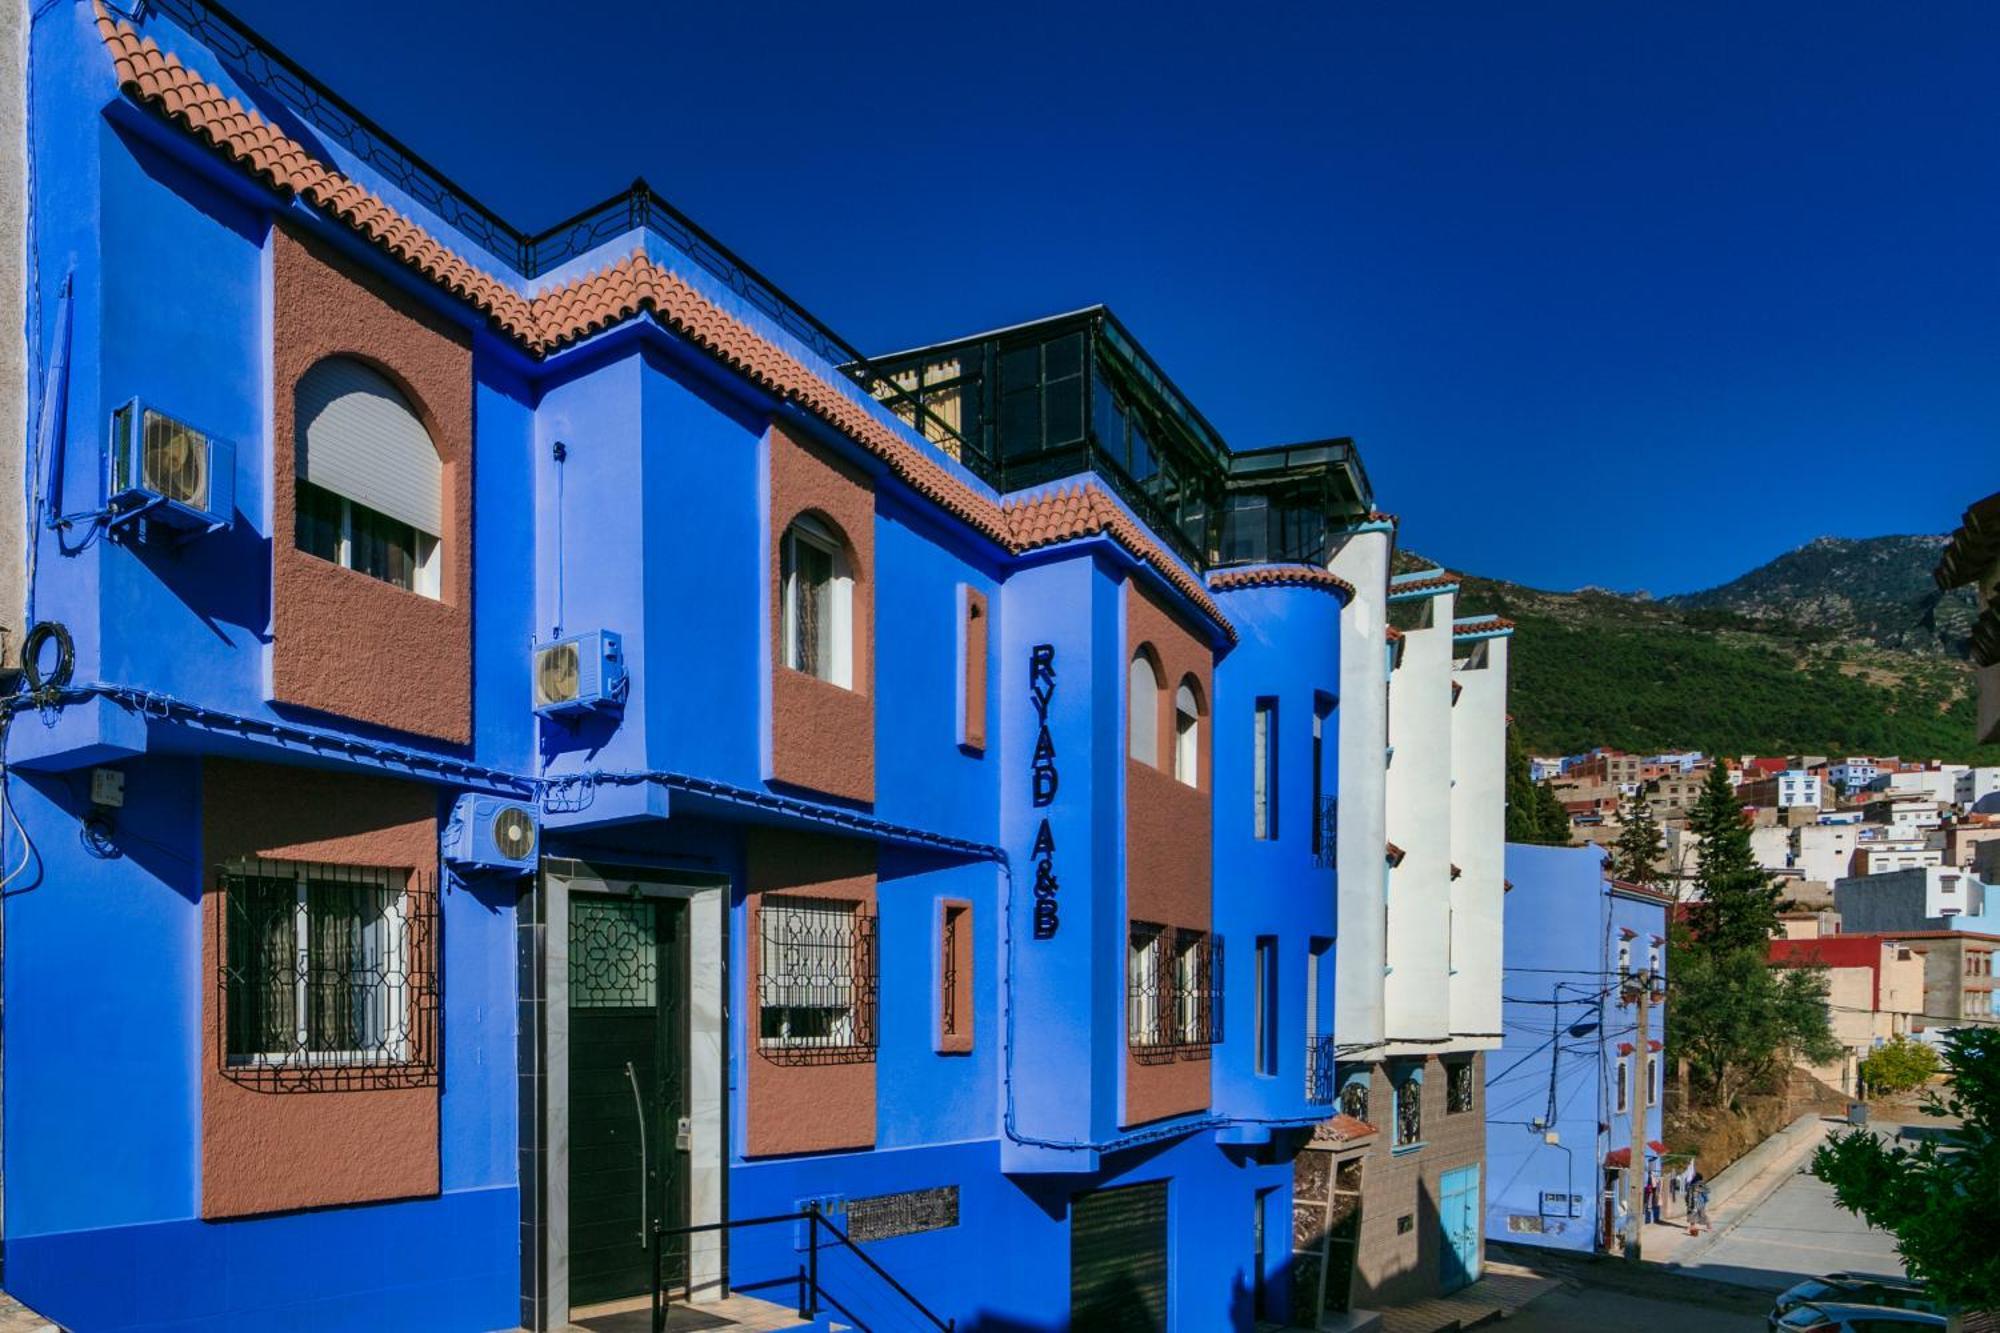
{"points": [[534, 754]]}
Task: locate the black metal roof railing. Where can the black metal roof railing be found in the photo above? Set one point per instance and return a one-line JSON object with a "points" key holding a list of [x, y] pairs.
{"points": [[258, 64]]}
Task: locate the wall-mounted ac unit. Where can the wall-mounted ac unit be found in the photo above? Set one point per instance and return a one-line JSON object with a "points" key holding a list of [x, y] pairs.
{"points": [[165, 471], [581, 673], [491, 833]]}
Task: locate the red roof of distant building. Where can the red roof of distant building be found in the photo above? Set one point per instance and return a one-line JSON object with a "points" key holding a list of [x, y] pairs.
{"points": [[1342, 1128]]}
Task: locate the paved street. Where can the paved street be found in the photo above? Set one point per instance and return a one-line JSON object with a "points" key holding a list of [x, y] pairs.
{"points": [[1797, 1232], [1780, 1225]]}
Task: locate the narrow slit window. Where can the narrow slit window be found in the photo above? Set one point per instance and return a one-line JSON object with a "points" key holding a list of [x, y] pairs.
{"points": [[1264, 769], [972, 669]]}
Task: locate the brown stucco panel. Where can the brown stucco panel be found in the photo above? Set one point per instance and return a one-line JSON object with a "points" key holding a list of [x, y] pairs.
{"points": [[344, 643], [977, 644], [823, 735], [265, 1152], [801, 1108], [1168, 830]]}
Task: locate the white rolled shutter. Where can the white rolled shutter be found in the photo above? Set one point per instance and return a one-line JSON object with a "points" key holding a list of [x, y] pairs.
{"points": [[358, 438]]}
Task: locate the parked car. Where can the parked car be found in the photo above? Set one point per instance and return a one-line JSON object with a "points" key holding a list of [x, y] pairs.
{"points": [[1837, 1317], [1852, 1289]]}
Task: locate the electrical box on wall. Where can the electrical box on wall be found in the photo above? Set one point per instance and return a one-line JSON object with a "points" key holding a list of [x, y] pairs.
{"points": [[579, 674], [165, 471], [491, 833]]}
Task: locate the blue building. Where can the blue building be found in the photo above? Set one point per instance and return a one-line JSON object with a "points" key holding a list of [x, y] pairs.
{"points": [[532, 750], [1562, 1090]]}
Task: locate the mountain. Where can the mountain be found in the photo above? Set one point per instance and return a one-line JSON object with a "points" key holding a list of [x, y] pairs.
{"points": [[1842, 646], [1877, 588]]}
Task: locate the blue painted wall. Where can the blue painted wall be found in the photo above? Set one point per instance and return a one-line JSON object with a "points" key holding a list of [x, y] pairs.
{"points": [[1564, 1022], [655, 526]]}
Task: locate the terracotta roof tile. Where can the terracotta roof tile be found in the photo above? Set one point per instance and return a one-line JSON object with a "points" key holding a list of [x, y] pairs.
{"points": [[1280, 576], [1425, 582], [1483, 625], [571, 311], [1342, 1128]]}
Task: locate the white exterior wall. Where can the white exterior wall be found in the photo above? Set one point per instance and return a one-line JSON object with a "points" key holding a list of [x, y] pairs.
{"points": [[1975, 783], [1478, 802], [1939, 784], [1824, 852], [1417, 1001], [1772, 847], [1360, 953]]}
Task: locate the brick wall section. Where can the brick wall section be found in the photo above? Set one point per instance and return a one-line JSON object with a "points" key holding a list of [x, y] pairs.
{"points": [[1392, 1267]]}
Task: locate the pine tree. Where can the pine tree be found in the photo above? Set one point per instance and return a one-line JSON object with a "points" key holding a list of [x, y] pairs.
{"points": [[1550, 816], [1738, 907], [1636, 856], [1526, 814]]}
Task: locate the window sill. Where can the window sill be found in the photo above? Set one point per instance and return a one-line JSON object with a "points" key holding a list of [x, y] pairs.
{"points": [[1404, 1149]]}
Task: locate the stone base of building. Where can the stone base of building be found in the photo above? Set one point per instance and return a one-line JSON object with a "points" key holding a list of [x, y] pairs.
{"points": [[1389, 1195]]}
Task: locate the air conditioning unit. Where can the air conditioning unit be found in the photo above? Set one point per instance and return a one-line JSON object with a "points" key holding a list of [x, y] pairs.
{"points": [[582, 673], [491, 833], [165, 471]]}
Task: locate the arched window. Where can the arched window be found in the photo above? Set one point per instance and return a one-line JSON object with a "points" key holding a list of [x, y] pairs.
{"points": [[370, 493], [1187, 733], [818, 592], [1143, 703]]}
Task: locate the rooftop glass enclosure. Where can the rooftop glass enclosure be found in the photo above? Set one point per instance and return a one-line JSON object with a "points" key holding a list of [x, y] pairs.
{"points": [[1037, 402]]}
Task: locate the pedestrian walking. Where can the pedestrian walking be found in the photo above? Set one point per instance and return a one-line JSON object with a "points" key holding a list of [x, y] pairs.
{"points": [[1652, 1195], [1697, 1204]]}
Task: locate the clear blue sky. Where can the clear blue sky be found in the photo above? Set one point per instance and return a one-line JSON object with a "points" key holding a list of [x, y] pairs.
{"points": [[1637, 296]]}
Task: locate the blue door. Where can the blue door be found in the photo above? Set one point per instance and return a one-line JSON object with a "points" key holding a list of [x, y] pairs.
{"points": [[1458, 1227]]}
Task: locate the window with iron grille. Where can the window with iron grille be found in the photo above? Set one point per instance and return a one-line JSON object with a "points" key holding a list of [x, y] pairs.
{"points": [[816, 980], [1173, 991], [328, 976], [1409, 1109], [1354, 1094], [1458, 1094]]}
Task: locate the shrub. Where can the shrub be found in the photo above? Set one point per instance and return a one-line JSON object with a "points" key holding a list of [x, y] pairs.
{"points": [[1899, 1065]]}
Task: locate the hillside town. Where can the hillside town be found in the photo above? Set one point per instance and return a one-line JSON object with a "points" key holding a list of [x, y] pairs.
{"points": [[1888, 870], [543, 789]]}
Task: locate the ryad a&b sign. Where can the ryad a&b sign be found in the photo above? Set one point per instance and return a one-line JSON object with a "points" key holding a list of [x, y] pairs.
{"points": [[1043, 783]]}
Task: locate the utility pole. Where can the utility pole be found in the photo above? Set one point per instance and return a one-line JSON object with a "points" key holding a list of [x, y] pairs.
{"points": [[1640, 989]]}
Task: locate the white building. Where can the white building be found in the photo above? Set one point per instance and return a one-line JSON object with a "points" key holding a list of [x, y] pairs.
{"points": [[1853, 772], [1417, 990], [1879, 856], [1772, 847], [1542, 768], [1937, 782], [1362, 818], [1798, 787], [1478, 829], [1975, 783], [1906, 815], [1824, 851]]}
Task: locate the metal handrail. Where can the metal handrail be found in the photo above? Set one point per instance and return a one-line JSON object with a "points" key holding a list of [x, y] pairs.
{"points": [[809, 1288]]}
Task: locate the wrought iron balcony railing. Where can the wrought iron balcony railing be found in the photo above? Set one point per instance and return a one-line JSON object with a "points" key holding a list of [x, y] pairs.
{"points": [[1322, 1085]]}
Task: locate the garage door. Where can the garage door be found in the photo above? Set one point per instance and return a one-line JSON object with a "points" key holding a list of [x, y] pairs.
{"points": [[1118, 1260]]}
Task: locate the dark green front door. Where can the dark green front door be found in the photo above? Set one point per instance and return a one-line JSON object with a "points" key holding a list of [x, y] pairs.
{"points": [[628, 982]]}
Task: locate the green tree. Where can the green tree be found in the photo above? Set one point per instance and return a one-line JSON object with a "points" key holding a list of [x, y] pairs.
{"points": [[1528, 801], [1550, 816], [1899, 1065], [1738, 1021], [1941, 1199], [1738, 899], [1636, 856]]}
